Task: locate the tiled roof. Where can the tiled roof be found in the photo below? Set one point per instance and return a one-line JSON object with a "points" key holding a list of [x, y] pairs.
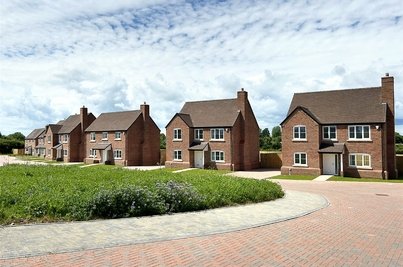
{"points": [[212, 113], [114, 121], [329, 147], [343, 106], [69, 124], [35, 133], [55, 128]]}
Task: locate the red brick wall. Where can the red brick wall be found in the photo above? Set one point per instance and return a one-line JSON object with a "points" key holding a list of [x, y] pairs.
{"points": [[171, 145], [310, 147]]}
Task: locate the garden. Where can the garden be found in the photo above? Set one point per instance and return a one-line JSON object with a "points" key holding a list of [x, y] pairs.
{"points": [[35, 193]]}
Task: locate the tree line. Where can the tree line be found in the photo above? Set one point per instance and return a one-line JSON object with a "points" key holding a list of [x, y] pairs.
{"points": [[8, 142]]}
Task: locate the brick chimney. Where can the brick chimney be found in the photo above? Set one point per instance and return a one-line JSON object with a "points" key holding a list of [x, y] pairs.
{"points": [[388, 92], [145, 109], [388, 97], [242, 100], [83, 118]]}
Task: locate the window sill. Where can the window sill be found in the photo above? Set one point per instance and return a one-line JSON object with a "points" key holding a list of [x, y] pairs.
{"points": [[117, 158], [177, 140], [218, 161], [104, 139], [360, 168], [327, 139], [359, 140], [118, 139], [92, 141], [300, 165], [299, 140], [217, 140], [178, 160]]}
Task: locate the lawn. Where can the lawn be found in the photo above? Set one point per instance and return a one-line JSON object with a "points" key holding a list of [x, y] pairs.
{"points": [[34, 193], [350, 179], [294, 177]]}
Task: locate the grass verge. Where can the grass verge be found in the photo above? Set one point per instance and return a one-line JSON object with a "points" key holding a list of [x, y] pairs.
{"points": [[34, 193], [294, 177]]}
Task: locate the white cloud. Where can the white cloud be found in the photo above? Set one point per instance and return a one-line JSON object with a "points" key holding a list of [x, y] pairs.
{"points": [[113, 55]]}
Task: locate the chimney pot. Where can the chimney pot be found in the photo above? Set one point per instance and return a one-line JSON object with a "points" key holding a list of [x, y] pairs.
{"points": [[387, 74]]}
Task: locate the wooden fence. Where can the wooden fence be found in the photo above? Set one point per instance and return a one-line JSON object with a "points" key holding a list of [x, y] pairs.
{"points": [[270, 160]]}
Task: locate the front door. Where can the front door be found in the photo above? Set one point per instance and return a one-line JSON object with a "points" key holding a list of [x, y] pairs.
{"points": [[329, 163], [199, 159]]}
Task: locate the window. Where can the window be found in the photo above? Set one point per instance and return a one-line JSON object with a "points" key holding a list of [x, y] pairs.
{"points": [[118, 135], [217, 134], [177, 134], [360, 160], [300, 159], [49, 139], [299, 132], [217, 156], [92, 137], [199, 134], [48, 152], [65, 152], [329, 132], [177, 154], [359, 132], [117, 154], [104, 135], [93, 153]]}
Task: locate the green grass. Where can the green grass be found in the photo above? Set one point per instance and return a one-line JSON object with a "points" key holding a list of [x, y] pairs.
{"points": [[350, 179], [34, 193], [294, 177]]}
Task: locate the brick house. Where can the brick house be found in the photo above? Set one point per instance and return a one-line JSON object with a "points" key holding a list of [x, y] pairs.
{"points": [[32, 141], [125, 138], [65, 141], [342, 132], [219, 134]]}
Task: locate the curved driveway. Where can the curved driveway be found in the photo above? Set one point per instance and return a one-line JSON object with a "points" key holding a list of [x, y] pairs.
{"points": [[361, 227]]}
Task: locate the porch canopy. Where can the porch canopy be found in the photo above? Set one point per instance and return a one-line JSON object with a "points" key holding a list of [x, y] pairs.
{"points": [[198, 146], [101, 146], [331, 148]]}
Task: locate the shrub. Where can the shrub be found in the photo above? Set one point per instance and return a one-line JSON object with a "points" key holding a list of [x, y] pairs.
{"points": [[125, 202], [179, 197]]}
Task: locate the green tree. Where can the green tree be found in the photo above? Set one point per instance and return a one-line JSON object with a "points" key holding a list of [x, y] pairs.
{"points": [[276, 132], [398, 138], [265, 139], [17, 136], [163, 141]]}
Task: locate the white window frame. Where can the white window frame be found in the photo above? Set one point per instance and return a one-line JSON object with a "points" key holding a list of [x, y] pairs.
{"points": [[49, 139], [65, 153], [217, 156], [326, 130], [177, 155], [353, 163], [104, 136], [298, 138], [118, 135], [92, 136], [117, 154], [355, 138], [199, 134], [299, 154], [177, 134], [93, 153], [217, 132]]}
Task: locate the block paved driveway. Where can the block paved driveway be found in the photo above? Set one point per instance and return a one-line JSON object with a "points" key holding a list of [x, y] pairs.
{"points": [[363, 226]]}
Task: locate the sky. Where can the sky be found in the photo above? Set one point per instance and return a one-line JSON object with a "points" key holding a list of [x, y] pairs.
{"points": [[113, 55]]}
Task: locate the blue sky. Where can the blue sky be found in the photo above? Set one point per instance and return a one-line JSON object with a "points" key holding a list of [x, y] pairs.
{"points": [[56, 56]]}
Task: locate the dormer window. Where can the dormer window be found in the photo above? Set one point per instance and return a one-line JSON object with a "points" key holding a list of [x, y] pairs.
{"points": [[299, 133]]}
